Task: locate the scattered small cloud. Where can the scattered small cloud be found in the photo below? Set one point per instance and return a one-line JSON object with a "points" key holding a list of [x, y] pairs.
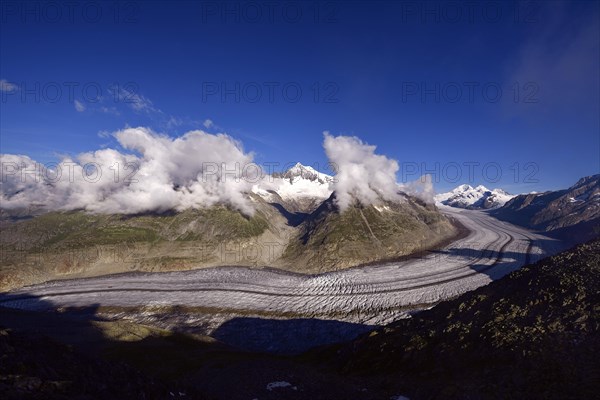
{"points": [[141, 104], [109, 110], [174, 122], [8, 87], [208, 123], [79, 106], [135, 101]]}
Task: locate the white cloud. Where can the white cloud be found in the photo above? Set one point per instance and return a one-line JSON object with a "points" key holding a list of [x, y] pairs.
{"points": [[421, 188], [109, 110], [197, 170], [79, 106], [8, 87], [208, 123], [141, 104], [360, 173], [135, 101], [174, 122]]}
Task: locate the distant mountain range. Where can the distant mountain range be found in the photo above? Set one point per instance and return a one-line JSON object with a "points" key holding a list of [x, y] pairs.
{"points": [[572, 214], [480, 197]]}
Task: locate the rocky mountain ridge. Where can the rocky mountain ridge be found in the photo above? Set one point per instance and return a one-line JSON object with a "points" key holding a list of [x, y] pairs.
{"points": [[572, 214]]}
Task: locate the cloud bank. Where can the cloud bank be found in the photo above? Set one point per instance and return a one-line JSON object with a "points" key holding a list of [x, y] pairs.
{"points": [[160, 173]]}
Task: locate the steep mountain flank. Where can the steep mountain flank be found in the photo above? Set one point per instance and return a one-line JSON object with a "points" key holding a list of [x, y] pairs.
{"points": [[329, 239], [572, 214]]}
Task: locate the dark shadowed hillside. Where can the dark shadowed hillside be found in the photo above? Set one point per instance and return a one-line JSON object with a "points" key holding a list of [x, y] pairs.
{"points": [[533, 334]]}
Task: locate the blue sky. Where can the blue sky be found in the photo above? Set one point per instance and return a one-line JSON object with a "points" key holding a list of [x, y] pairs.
{"points": [[444, 88]]}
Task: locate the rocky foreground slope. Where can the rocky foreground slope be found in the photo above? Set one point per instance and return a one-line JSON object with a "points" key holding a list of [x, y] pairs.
{"points": [[533, 334]]}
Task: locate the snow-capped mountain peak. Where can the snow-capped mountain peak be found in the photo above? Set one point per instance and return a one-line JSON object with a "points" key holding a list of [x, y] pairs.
{"points": [[480, 197], [462, 188], [301, 185], [300, 171]]}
